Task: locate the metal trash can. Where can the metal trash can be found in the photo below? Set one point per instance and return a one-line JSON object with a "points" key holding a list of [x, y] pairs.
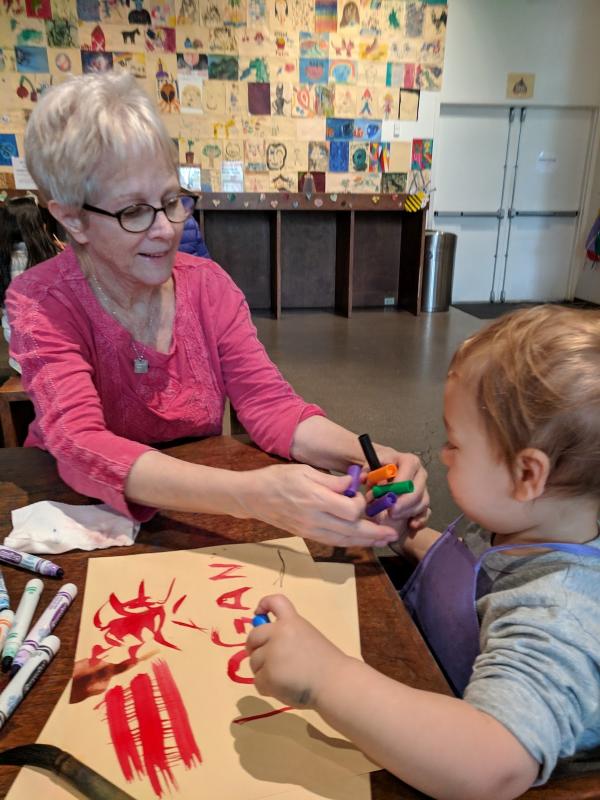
{"points": [[438, 270]]}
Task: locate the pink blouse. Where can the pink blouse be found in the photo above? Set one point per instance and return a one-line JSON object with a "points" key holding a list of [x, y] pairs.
{"points": [[96, 416]]}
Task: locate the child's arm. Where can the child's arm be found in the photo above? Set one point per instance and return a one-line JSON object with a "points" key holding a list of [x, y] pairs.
{"points": [[440, 745]]}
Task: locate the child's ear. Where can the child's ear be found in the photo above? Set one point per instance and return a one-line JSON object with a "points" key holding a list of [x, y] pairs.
{"points": [[530, 473], [70, 218]]}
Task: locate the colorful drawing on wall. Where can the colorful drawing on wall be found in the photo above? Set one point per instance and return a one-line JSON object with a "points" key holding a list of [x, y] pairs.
{"points": [[344, 102], [318, 179], [281, 99], [339, 154], [359, 157], [314, 70], [259, 98], [392, 182], [325, 16], [340, 129], [414, 19], [367, 130], [379, 157], [8, 149], [31, 59], [223, 68], [193, 63], [409, 104], [38, 8], [320, 59], [96, 62], [428, 77], [422, 152], [276, 156], [313, 45], [254, 154], [318, 156], [342, 70], [372, 48], [324, 100], [520, 85]]}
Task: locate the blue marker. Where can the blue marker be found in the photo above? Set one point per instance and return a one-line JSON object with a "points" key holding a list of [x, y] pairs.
{"points": [[260, 619]]}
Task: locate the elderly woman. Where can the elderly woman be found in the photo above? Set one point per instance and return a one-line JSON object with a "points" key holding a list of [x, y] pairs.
{"points": [[124, 342]]}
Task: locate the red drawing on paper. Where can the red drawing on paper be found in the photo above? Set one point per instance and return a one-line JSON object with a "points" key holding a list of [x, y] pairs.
{"points": [[228, 571], [134, 619], [233, 599], [150, 729]]}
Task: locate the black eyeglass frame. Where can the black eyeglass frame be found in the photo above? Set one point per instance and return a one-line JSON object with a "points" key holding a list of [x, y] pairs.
{"points": [[119, 214]]}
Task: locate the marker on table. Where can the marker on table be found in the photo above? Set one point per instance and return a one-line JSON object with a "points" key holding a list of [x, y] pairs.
{"points": [[4, 598], [7, 617], [260, 619], [30, 562], [354, 470], [23, 616], [377, 506], [18, 687], [402, 487], [46, 623], [369, 451]]}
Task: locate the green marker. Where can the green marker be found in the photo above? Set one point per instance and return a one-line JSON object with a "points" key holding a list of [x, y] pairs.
{"points": [[402, 487]]}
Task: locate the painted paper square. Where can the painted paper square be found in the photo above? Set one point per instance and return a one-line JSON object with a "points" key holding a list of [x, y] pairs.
{"points": [[259, 98], [339, 154], [422, 152]]}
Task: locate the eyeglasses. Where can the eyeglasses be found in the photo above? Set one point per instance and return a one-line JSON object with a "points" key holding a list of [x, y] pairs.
{"points": [[140, 216]]}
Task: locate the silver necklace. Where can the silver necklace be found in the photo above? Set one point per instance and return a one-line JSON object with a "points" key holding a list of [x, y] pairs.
{"points": [[140, 362]]}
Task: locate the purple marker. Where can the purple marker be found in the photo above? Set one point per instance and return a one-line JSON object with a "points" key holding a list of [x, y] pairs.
{"points": [[45, 624], [354, 470], [379, 505], [30, 562]]}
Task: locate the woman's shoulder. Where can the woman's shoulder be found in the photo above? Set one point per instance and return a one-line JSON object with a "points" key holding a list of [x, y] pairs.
{"points": [[47, 274], [203, 273]]}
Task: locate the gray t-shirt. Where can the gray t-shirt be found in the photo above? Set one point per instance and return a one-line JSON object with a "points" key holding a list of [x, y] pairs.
{"points": [[538, 672]]}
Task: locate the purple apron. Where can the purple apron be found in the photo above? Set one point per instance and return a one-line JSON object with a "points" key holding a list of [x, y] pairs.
{"points": [[441, 596]]}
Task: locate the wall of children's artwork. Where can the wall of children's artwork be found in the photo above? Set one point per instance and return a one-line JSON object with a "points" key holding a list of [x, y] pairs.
{"points": [[256, 92]]}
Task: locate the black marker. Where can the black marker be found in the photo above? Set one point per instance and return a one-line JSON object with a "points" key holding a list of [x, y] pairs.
{"points": [[369, 451]]}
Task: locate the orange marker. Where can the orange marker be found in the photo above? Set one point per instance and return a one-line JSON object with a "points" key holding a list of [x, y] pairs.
{"points": [[382, 474]]}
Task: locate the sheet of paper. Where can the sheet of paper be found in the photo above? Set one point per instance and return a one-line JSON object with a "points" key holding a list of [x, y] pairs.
{"points": [[182, 617]]}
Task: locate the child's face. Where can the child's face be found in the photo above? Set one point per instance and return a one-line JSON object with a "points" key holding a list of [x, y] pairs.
{"points": [[480, 482]]}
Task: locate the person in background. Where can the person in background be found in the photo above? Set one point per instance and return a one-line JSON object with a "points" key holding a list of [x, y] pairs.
{"points": [[192, 241], [24, 242], [124, 342], [511, 614]]}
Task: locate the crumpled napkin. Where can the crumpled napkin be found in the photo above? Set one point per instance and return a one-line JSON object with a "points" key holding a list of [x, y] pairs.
{"points": [[49, 527]]}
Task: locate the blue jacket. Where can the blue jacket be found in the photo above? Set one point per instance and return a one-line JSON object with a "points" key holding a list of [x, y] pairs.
{"points": [[192, 241]]}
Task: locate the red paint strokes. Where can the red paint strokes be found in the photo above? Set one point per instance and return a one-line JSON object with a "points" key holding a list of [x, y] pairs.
{"points": [[233, 667], [228, 569], [243, 720], [120, 733], [215, 638], [233, 599], [189, 751], [151, 733], [241, 624], [189, 624], [175, 608]]}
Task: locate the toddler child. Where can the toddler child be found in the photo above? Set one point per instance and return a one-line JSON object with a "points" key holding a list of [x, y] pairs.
{"points": [[513, 618]]}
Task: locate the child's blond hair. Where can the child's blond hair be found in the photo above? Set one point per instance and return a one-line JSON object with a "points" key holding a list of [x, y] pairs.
{"points": [[536, 374]]}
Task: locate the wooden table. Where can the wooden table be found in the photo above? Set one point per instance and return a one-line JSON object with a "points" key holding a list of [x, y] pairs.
{"points": [[389, 640]]}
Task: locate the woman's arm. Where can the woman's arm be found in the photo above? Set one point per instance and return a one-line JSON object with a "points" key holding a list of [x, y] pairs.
{"points": [[441, 745]]}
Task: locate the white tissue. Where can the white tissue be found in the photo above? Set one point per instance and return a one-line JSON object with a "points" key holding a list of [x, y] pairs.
{"points": [[49, 527]]}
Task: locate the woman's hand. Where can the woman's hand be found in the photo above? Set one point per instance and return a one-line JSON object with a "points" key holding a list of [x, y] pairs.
{"points": [[290, 659], [411, 511], [311, 504]]}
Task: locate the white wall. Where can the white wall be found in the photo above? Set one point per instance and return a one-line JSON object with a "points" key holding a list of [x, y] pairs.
{"points": [[555, 39]]}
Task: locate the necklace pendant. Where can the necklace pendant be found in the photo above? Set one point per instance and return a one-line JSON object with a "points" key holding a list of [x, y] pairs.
{"points": [[140, 364]]}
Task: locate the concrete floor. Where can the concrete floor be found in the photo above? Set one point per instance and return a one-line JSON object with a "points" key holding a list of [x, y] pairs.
{"points": [[380, 372]]}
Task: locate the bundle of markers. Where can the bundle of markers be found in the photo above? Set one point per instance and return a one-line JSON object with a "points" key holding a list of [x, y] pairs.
{"points": [[27, 650], [386, 495]]}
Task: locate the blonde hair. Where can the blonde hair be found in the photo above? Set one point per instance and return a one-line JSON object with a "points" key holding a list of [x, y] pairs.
{"points": [[83, 123], [536, 374]]}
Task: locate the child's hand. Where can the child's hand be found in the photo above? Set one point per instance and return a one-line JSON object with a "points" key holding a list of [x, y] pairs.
{"points": [[411, 511], [290, 659]]}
